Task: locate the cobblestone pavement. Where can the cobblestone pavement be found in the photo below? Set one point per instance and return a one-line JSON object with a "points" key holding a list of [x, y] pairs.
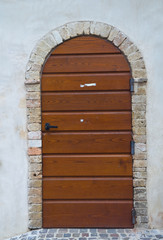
{"points": [[90, 234]]}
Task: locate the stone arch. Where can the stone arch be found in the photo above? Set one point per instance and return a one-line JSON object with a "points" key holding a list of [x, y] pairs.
{"points": [[33, 85]]}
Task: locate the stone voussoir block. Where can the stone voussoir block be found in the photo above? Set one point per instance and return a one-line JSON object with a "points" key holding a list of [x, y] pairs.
{"points": [[125, 45], [102, 29], [113, 34], [119, 38], [64, 32], [50, 40], [139, 73]]}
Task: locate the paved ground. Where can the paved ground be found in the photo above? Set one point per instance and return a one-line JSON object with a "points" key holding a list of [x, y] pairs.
{"points": [[90, 234]]}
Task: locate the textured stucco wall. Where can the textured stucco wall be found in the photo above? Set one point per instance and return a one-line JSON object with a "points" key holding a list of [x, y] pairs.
{"points": [[22, 24]]}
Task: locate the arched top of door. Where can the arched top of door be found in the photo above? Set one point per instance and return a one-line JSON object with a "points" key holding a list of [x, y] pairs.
{"points": [[54, 38]]}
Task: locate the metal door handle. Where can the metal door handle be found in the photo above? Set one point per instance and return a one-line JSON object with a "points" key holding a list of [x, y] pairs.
{"points": [[48, 126]]}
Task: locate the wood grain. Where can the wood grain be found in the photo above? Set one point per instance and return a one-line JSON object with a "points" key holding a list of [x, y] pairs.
{"points": [[87, 165], [97, 214], [86, 101], [85, 44], [87, 162], [86, 63], [87, 121], [78, 81], [87, 188], [96, 142]]}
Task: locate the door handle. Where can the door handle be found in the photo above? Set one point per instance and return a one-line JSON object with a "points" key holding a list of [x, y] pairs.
{"points": [[48, 126]]}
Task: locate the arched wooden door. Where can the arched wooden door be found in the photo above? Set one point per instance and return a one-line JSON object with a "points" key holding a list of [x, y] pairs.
{"points": [[87, 162]]}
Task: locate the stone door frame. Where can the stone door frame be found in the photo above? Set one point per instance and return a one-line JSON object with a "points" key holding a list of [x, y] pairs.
{"points": [[37, 59]]}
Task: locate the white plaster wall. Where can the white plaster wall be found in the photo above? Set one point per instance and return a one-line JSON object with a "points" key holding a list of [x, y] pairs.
{"points": [[22, 24]]}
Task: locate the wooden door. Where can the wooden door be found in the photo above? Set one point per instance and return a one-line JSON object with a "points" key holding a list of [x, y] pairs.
{"points": [[87, 162]]}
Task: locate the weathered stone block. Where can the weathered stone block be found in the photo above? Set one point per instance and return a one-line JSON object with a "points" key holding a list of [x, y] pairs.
{"points": [[139, 107], [34, 143], [64, 32], [35, 167], [113, 33], [125, 45], [140, 175], [119, 38], [35, 215], [139, 138], [34, 151], [35, 175], [50, 41], [34, 119], [139, 99], [35, 183], [139, 130], [32, 77], [140, 147], [33, 88], [33, 112], [34, 127], [139, 73], [35, 159], [138, 114], [33, 103], [75, 28], [34, 135], [35, 192], [140, 163], [33, 95], [139, 183], [57, 36], [139, 122], [35, 208], [140, 204], [140, 169], [86, 28], [140, 156], [138, 64], [102, 29], [34, 200], [37, 59]]}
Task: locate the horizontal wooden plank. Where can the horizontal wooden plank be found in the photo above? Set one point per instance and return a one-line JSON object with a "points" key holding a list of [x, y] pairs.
{"points": [[85, 44], [87, 188], [106, 214], [87, 165], [86, 101], [85, 82], [86, 142], [92, 121], [86, 63]]}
